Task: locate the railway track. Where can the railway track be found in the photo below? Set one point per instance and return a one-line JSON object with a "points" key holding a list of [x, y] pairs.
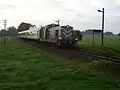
{"points": [[77, 52], [97, 56]]}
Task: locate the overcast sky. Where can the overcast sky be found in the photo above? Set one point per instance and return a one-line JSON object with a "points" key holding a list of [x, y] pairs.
{"points": [[81, 14]]}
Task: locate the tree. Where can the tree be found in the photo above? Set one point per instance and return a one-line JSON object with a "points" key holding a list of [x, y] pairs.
{"points": [[78, 34], [88, 32], [24, 26], [12, 31], [109, 33], [2, 33]]}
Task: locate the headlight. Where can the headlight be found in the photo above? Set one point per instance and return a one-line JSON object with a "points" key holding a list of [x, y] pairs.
{"points": [[60, 38], [76, 39]]}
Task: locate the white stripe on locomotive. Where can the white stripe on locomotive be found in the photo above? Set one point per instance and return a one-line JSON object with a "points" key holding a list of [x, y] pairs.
{"points": [[67, 32], [67, 35]]}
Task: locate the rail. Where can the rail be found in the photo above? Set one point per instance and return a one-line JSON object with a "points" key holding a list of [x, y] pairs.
{"points": [[95, 55]]}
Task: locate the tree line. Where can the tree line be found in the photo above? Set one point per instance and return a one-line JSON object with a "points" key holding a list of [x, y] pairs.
{"points": [[12, 31], [90, 32]]}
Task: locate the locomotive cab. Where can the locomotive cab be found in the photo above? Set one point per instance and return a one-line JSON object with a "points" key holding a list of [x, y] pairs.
{"points": [[59, 35]]}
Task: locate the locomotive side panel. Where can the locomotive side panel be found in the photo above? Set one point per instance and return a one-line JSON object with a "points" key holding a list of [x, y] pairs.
{"points": [[33, 34], [50, 34]]}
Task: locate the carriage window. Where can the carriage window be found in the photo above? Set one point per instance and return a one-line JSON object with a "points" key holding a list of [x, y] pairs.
{"points": [[56, 34]]}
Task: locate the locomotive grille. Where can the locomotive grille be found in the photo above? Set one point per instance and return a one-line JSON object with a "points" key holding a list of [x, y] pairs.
{"points": [[67, 33]]}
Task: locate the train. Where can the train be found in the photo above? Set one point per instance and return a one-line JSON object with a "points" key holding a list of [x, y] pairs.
{"points": [[52, 33]]}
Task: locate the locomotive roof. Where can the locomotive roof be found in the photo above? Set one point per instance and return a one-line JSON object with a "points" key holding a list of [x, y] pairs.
{"points": [[67, 26], [52, 25], [30, 30]]}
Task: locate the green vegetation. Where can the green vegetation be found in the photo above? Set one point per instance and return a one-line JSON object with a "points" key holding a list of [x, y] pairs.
{"points": [[27, 67], [111, 44]]}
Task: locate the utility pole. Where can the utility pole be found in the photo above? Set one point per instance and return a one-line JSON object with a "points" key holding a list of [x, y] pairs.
{"points": [[93, 37], [4, 21], [119, 36], [102, 24], [103, 27]]}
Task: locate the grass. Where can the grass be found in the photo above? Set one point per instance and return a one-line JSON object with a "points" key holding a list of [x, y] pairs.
{"points": [[111, 45], [27, 67]]}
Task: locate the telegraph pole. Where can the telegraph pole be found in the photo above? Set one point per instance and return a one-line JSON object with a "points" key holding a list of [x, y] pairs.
{"points": [[102, 24], [93, 38], [103, 27], [119, 36], [5, 21]]}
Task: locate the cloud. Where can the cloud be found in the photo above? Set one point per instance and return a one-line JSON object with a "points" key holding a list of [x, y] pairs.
{"points": [[109, 3], [10, 6], [81, 14], [69, 10], [4, 7]]}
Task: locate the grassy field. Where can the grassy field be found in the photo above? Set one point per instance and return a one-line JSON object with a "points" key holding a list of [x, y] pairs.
{"points": [[27, 67], [111, 44]]}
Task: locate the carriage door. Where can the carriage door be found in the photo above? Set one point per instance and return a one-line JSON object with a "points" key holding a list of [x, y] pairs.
{"points": [[47, 34], [37, 34], [56, 34], [41, 33]]}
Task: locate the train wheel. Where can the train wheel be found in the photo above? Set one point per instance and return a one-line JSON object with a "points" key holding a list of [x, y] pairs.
{"points": [[59, 44]]}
